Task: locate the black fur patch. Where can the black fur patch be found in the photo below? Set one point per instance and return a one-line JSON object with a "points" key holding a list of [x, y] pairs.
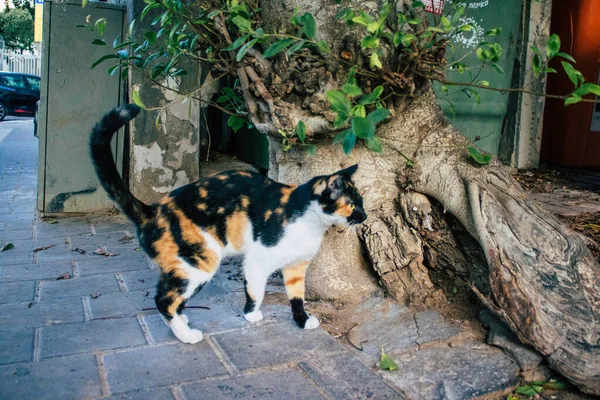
{"points": [[250, 303], [300, 316]]}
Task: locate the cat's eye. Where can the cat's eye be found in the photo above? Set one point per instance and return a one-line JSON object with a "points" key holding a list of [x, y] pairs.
{"points": [[352, 206]]}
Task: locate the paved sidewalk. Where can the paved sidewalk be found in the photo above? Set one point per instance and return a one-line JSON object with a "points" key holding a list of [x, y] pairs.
{"points": [[82, 325]]}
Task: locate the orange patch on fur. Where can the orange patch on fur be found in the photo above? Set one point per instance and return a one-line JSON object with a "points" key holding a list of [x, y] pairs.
{"points": [[293, 277], [268, 215], [201, 207], [221, 177], [279, 211], [166, 199], [245, 201], [343, 209], [236, 227], [244, 173], [210, 262], [319, 187], [285, 194], [221, 210], [203, 192]]}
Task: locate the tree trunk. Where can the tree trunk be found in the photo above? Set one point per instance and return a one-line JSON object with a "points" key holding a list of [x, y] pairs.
{"points": [[539, 276]]}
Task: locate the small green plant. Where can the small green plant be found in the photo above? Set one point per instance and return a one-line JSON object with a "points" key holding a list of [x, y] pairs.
{"points": [[386, 363]]}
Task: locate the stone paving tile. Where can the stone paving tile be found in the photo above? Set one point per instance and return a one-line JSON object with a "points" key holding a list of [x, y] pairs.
{"points": [[64, 339], [92, 242], [162, 365], [17, 225], [20, 218], [221, 317], [145, 279], [271, 344], [35, 271], [16, 256], [84, 286], [62, 252], [72, 377], [121, 304], [432, 327], [128, 261], [16, 345], [15, 234], [343, 376], [62, 229], [287, 384], [453, 372], [43, 313], [152, 394], [16, 292]]}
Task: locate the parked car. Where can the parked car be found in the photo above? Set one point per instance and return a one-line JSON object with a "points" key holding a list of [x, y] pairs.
{"points": [[18, 94]]}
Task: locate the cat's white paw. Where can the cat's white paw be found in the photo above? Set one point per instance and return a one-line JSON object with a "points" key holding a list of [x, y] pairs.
{"points": [[185, 318], [191, 337], [311, 323], [254, 316]]}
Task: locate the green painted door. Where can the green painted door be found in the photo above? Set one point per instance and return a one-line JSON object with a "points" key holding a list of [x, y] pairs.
{"points": [[483, 122]]}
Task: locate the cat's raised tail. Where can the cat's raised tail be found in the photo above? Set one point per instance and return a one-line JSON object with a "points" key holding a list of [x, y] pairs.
{"points": [[108, 175]]}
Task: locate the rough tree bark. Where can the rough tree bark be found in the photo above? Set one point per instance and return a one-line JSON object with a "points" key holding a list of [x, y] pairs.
{"points": [[541, 278]]}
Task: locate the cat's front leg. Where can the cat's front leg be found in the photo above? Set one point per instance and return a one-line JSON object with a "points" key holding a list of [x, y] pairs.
{"points": [[293, 277], [255, 281]]}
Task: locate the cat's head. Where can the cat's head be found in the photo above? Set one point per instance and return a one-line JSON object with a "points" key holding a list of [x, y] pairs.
{"points": [[339, 198]]}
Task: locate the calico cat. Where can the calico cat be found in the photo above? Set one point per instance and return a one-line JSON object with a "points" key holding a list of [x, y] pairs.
{"points": [[189, 231]]}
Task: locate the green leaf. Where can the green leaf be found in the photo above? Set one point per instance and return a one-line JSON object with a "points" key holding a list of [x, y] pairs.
{"points": [[361, 20], [529, 390], [362, 127], [373, 27], [465, 28], [479, 156], [113, 70], [459, 13], [104, 58], [407, 39], [374, 144], [484, 83], [150, 36], [340, 137], [571, 72], [587, 88], [398, 36], [374, 61], [566, 56], [6, 247], [557, 385], [340, 119], [572, 99], [498, 69], [379, 115], [136, 99], [351, 89], [370, 42], [310, 26], [311, 150], [130, 30], [100, 26], [359, 111], [386, 363], [236, 123], [301, 131], [338, 101], [99, 42], [237, 43], [550, 71], [84, 3], [371, 97], [244, 49], [414, 21], [536, 64], [323, 46], [277, 47], [242, 23], [299, 44], [147, 9], [349, 142], [494, 32], [553, 45], [435, 29]]}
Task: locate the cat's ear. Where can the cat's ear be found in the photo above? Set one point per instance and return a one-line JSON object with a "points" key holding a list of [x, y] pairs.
{"points": [[348, 172], [335, 184]]}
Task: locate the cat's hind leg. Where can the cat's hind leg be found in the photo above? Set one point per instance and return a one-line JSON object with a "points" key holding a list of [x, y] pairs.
{"points": [[255, 281], [173, 290], [294, 277]]}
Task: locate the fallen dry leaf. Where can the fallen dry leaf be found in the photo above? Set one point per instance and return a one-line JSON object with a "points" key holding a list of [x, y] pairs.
{"points": [[102, 251], [64, 276], [38, 249], [81, 251], [128, 238], [95, 295]]}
